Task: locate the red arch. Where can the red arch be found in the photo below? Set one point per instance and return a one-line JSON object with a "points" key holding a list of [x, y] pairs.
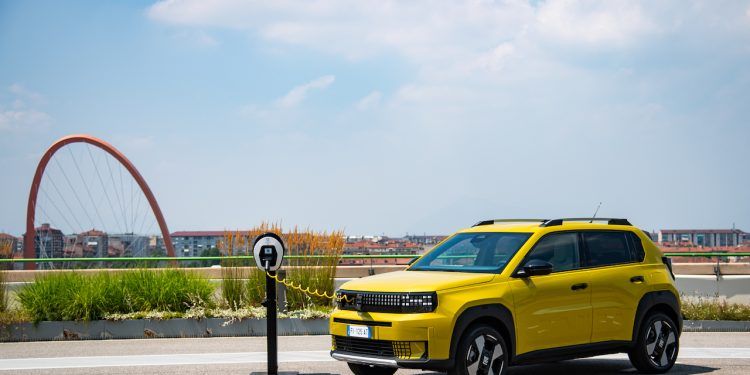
{"points": [[29, 236]]}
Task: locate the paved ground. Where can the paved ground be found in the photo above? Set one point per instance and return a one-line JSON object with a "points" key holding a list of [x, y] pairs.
{"points": [[701, 353]]}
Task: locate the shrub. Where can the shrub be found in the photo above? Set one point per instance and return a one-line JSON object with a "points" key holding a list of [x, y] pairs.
{"points": [[3, 293], [233, 271], [315, 267], [73, 296], [714, 309], [243, 285], [6, 251]]}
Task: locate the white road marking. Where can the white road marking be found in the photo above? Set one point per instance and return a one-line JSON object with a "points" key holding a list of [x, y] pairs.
{"points": [[159, 360], [260, 357]]}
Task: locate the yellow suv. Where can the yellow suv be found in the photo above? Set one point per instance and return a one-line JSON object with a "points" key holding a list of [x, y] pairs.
{"points": [[513, 292]]}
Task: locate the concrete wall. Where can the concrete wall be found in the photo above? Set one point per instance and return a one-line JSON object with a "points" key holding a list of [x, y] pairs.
{"points": [[733, 288]]}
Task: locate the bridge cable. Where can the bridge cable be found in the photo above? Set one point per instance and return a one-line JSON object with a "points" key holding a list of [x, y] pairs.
{"points": [[75, 193], [114, 187], [124, 204], [136, 213], [54, 205], [101, 182], [143, 220], [42, 245], [86, 186], [64, 217], [65, 202], [132, 214]]}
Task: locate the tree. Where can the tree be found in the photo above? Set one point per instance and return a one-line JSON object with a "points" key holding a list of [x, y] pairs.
{"points": [[212, 252]]}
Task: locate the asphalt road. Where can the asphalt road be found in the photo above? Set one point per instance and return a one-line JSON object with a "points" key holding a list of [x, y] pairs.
{"points": [[701, 353]]}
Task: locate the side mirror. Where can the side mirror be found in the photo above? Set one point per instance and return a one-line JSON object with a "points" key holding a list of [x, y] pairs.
{"points": [[534, 267]]}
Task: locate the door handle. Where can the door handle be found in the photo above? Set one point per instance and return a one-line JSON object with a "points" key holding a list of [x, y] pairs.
{"points": [[580, 286], [637, 279]]}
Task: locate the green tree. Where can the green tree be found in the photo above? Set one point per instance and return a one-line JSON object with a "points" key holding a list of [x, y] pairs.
{"points": [[212, 252]]}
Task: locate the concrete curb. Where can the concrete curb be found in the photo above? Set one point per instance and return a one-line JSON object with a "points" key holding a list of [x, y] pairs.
{"points": [[168, 328], [216, 327], [716, 326]]}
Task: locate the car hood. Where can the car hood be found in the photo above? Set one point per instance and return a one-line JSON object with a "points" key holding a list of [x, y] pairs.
{"points": [[416, 281]]}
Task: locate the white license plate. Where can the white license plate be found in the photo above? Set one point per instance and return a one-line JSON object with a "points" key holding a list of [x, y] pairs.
{"points": [[358, 331]]}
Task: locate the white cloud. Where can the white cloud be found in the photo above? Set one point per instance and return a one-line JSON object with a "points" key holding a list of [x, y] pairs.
{"points": [[495, 59], [197, 37], [425, 32], [370, 101], [418, 30], [22, 120], [18, 115], [22, 92], [616, 22], [299, 93]]}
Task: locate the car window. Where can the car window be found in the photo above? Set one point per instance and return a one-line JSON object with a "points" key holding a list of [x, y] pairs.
{"points": [[605, 248], [559, 249], [472, 252], [637, 247]]}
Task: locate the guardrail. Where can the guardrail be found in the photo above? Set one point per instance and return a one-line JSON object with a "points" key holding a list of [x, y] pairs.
{"points": [[191, 259], [346, 256]]}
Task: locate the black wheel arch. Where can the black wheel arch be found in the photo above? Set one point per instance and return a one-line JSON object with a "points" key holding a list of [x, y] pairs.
{"points": [[661, 300], [495, 315]]}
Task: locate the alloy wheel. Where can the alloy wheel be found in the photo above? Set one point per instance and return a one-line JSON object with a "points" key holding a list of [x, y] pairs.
{"points": [[485, 356], [661, 343]]}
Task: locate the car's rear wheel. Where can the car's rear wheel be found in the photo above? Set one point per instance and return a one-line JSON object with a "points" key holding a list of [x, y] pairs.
{"points": [[481, 351], [657, 346], [359, 369]]}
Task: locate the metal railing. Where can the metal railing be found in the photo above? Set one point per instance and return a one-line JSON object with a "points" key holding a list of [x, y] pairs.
{"points": [[190, 259], [346, 256]]}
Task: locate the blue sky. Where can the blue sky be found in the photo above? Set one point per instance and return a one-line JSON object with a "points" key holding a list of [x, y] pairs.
{"points": [[390, 116]]}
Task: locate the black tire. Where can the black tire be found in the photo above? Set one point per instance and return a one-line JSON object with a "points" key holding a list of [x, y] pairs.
{"points": [[358, 369], [657, 346], [481, 343]]}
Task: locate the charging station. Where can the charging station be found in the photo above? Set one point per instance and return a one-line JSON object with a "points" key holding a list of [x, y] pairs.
{"points": [[268, 251]]}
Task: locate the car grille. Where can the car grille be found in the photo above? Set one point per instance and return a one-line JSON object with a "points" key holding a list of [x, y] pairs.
{"points": [[387, 302], [378, 348]]}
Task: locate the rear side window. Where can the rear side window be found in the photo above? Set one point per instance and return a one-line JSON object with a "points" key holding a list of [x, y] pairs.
{"points": [[636, 247], [606, 248]]}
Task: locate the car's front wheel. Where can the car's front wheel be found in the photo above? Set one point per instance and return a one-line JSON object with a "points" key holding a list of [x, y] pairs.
{"points": [[481, 351], [359, 369], [658, 343]]}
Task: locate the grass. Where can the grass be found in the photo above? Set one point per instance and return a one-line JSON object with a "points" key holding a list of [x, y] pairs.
{"points": [[243, 285], [233, 278], [72, 296], [3, 293], [6, 251], [317, 273], [714, 309]]}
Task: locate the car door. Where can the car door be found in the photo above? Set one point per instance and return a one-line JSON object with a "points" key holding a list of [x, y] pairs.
{"points": [[553, 310], [618, 282]]}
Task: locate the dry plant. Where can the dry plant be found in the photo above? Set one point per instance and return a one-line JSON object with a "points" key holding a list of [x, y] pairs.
{"points": [[316, 257], [232, 271], [6, 252]]}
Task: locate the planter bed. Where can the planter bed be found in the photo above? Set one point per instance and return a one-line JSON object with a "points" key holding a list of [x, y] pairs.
{"points": [[151, 328]]}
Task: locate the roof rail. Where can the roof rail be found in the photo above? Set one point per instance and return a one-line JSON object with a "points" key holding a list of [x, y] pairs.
{"points": [[493, 221], [610, 221]]}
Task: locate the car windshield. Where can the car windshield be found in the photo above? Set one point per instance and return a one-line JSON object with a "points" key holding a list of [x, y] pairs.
{"points": [[472, 252]]}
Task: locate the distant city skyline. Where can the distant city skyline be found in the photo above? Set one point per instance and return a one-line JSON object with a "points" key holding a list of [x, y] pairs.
{"points": [[390, 117]]}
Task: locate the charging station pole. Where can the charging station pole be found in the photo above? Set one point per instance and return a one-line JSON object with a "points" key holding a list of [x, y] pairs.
{"points": [[272, 342], [268, 251]]}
